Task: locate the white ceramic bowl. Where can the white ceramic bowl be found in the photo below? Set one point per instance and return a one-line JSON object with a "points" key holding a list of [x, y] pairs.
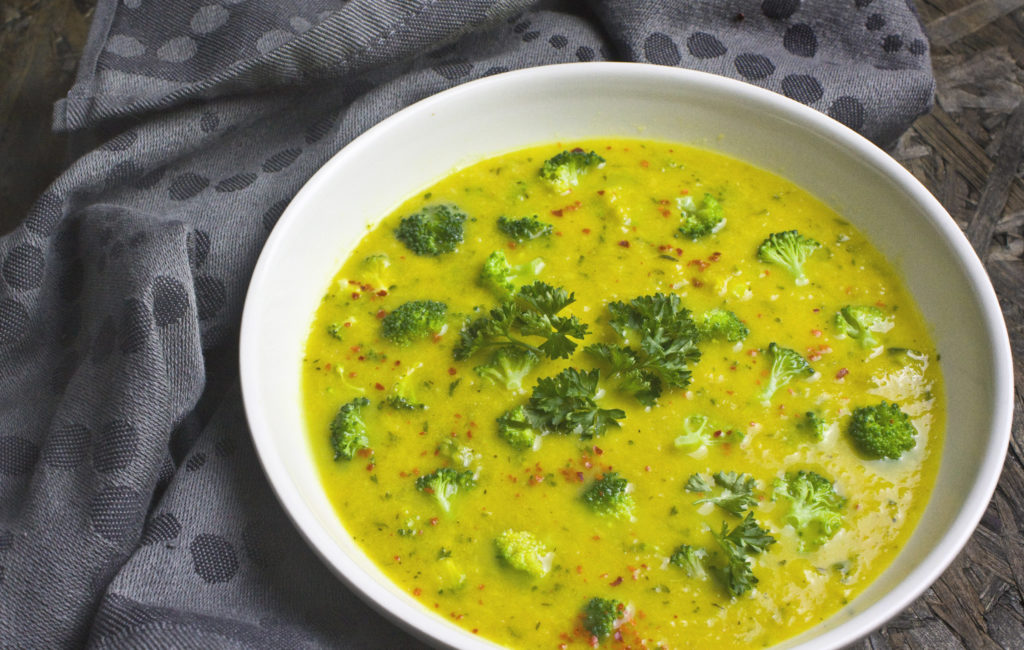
{"points": [[425, 142]]}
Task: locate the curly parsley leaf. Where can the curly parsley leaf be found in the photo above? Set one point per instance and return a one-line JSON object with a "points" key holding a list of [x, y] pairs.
{"points": [[566, 404]]}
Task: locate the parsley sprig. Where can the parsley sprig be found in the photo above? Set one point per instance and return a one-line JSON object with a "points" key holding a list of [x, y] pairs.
{"points": [[745, 540], [666, 346], [566, 404], [532, 312], [736, 495]]}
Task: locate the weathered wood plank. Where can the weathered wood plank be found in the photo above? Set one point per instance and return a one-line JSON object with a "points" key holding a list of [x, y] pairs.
{"points": [[967, 20], [997, 189]]}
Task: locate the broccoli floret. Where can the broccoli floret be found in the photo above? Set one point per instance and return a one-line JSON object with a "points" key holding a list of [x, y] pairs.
{"points": [[722, 325], [514, 427], [789, 250], [815, 509], [523, 551], [449, 575], [813, 425], [698, 431], [524, 229], [861, 323], [373, 270], [459, 454], [787, 365], [503, 279], [610, 496], [348, 430], [564, 170], [402, 397], [334, 330], [414, 320], [601, 616], [434, 230], [689, 559], [882, 431], [508, 367], [698, 222], [445, 483]]}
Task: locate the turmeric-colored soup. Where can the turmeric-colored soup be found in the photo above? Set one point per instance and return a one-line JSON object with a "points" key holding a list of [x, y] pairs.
{"points": [[623, 393]]}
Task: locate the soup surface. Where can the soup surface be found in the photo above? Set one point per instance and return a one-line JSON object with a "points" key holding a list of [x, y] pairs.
{"points": [[662, 506]]}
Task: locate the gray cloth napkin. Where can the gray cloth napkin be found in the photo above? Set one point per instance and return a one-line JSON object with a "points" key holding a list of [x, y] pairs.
{"points": [[133, 511]]}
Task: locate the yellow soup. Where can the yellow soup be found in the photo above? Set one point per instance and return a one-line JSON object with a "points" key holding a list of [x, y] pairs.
{"points": [[653, 479]]}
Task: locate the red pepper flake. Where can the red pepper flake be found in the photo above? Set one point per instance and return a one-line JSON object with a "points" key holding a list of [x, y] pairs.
{"points": [[381, 314], [586, 231], [579, 569], [537, 479], [354, 348], [624, 243], [365, 452], [352, 374], [701, 264], [347, 324], [715, 256], [417, 591], [327, 366], [437, 337], [696, 282], [433, 521], [557, 213], [665, 212], [644, 164], [475, 631], [679, 251], [616, 582], [355, 295], [600, 192], [595, 538], [598, 450], [842, 373], [513, 478], [398, 558], [398, 362], [379, 386], [579, 476], [511, 244], [816, 333], [647, 468]]}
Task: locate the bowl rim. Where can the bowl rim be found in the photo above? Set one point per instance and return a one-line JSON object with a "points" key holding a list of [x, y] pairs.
{"points": [[422, 623]]}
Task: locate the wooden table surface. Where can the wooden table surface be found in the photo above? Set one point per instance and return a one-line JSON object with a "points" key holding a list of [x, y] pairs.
{"points": [[969, 151]]}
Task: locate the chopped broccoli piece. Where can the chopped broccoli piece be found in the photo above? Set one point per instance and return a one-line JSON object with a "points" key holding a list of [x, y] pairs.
{"points": [[722, 325], [882, 431], [861, 323], [523, 551], [445, 483], [813, 425], [508, 367], [699, 222], [373, 270], [514, 427], [524, 229], [402, 397], [814, 507], [699, 432], [689, 559], [601, 616], [563, 171], [566, 404], [348, 430], [532, 312], [611, 496], [334, 330], [745, 540], [435, 230], [737, 492], [449, 575], [414, 320], [503, 279], [787, 365], [459, 454], [667, 345], [789, 250]]}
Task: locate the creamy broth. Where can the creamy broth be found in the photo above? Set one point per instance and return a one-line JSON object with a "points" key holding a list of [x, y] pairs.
{"points": [[615, 237]]}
